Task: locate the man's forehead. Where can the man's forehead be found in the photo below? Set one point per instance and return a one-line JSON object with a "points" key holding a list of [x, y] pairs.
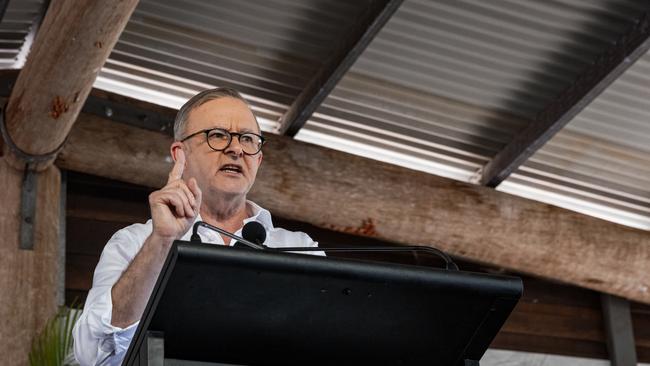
{"points": [[224, 113]]}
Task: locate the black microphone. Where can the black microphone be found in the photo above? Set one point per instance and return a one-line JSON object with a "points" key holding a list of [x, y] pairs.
{"points": [[195, 238], [255, 232]]}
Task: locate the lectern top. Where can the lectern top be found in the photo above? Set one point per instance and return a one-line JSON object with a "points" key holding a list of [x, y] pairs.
{"points": [[253, 307]]}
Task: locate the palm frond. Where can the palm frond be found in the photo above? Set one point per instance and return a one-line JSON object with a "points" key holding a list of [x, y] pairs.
{"points": [[53, 346]]}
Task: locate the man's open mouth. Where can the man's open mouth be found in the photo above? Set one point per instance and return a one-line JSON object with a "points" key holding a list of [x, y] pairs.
{"points": [[231, 168]]}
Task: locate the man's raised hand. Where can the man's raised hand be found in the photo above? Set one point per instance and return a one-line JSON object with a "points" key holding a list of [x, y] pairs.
{"points": [[174, 207]]}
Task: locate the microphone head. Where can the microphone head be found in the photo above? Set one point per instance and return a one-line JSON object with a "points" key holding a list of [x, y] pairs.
{"points": [[254, 232]]}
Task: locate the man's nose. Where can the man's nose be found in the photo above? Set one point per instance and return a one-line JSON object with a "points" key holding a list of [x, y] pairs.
{"points": [[234, 147]]}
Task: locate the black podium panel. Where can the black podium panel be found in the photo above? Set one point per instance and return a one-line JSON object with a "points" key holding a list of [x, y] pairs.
{"points": [[251, 307]]}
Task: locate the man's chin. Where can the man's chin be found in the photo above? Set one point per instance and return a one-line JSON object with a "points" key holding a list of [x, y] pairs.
{"points": [[227, 191]]}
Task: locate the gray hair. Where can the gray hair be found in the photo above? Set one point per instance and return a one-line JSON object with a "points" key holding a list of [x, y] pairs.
{"points": [[198, 100]]}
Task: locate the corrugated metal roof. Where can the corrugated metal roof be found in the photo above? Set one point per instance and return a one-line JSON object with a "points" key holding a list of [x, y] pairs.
{"points": [[507, 55], [600, 162], [443, 87], [446, 84], [268, 50]]}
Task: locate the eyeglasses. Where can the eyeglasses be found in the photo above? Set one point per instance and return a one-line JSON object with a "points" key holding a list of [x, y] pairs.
{"points": [[219, 139]]}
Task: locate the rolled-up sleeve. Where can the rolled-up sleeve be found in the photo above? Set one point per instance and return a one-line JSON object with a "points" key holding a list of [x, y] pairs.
{"points": [[96, 341]]}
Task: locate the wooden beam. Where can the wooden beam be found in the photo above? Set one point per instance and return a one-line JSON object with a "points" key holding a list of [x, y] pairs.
{"points": [[319, 87], [347, 193], [589, 85], [73, 43], [75, 40]]}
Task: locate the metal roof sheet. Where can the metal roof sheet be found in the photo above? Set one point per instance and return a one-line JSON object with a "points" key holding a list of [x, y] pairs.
{"points": [[268, 50], [16, 33], [600, 162]]}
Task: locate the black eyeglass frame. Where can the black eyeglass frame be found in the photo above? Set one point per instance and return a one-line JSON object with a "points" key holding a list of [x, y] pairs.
{"points": [[230, 135]]}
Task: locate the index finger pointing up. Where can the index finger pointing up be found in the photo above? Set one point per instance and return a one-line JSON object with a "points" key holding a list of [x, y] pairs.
{"points": [[179, 166]]}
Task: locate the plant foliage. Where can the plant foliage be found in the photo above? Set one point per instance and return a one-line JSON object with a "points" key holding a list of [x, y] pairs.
{"points": [[53, 346]]}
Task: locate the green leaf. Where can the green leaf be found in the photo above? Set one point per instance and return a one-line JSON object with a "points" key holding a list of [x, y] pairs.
{"points": [[53, 346]]}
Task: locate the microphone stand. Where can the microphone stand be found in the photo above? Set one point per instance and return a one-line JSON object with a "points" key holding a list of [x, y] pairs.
{"points": [[195, 238], [449, 263]]}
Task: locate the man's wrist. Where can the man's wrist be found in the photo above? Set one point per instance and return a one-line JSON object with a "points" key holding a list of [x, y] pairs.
{"points": [[161, 240]]}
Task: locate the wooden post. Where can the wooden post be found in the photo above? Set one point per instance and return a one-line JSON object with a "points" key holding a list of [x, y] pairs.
{"points": [[73, 43], [28, 278]]}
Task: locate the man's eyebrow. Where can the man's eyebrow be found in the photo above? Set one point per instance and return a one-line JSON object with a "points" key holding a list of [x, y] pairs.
{"points": [[243, 130]]}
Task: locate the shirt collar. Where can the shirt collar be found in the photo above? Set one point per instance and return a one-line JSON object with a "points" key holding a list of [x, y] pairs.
{"points": [[260, 214]]}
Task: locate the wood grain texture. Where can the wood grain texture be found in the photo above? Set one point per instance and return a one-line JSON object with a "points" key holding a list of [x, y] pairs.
{"points": [[28, 278], [114, 150], [70, 48], [552, 345], [107, 209], [347, 193]]}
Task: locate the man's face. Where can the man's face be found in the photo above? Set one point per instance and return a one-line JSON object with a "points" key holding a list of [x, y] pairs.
{"points": [[229, 173]]}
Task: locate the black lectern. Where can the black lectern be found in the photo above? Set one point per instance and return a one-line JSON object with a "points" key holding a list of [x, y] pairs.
{"points": [[231, 306]]}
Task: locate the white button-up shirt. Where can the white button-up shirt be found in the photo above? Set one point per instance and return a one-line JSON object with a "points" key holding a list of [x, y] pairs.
{"points": [[96, 341]]}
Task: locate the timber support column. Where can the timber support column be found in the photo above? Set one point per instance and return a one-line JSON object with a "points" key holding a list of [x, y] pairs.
{"points": [[75, 39]]}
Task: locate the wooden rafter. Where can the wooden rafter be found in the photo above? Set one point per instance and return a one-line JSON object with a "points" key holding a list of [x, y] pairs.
{"points": [[76, 38], [326, 78], [591, 83]]}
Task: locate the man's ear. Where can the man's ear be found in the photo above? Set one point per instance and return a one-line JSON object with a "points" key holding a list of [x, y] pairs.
{"points": [[259, 161], [173, 149]]}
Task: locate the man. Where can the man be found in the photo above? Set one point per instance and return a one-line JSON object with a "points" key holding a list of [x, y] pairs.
{"points": [[217, 152]]}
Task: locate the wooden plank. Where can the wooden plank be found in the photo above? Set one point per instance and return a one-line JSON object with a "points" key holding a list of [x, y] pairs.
{"points": [[88, 236], [554, 293], [75, 297], [321, 85], [589, 85], [558, 321], [145, 146], [106, 209], [73, 43], [641, 324], [552, 345], [28, 278], [79, 269], [347, 193]]}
